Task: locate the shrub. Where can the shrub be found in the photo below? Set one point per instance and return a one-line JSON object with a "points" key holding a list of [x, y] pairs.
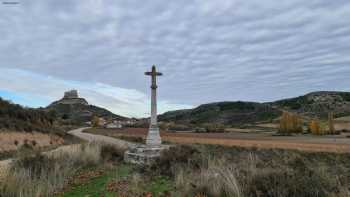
{"points": [[41, 175], [111, 153], [214, 179], [135, 139], [34, 143], [261, 172], [175, 156], [214, 128], [89, 154]]}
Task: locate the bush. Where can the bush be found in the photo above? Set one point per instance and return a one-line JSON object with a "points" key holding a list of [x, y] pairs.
{"points": [[135, 139], [34, 164], [111, 153], [214, 179], [214, 128], [41, 175], [230, 171], [34, 143], [175, 156]]}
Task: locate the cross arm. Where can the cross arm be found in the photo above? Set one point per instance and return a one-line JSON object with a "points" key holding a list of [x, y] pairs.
{"points": [[152, 73]]}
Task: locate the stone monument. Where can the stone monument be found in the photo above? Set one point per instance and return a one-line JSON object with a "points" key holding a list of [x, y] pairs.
{"points": [[153, 137], [145, 154], [71, 98]]}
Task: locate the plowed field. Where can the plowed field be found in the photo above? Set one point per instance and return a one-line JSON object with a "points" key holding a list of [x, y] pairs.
{"points": [[337, 143]]}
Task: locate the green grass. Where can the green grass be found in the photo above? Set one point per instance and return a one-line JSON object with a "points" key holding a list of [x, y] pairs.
{"points": [[97, 186], [160, 185]]}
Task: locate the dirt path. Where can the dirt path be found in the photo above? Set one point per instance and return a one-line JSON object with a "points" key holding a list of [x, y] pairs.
{"points": [[5, 164], [100, 138]]}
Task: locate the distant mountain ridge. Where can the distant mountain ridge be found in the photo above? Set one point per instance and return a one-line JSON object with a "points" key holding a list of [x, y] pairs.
{"points": [[76, 109], [232, 113], [240, 112], [317, 103]]}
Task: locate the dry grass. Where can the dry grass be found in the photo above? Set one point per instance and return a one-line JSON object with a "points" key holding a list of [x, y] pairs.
{"points": [[268, 125], [42, 175], [7, 140], [225, 171], [213, 179]]}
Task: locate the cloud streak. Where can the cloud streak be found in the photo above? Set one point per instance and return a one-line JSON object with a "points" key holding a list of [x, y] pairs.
{"points": [[47, 89]]}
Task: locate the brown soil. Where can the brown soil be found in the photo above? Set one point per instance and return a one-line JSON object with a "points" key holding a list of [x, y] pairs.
{"points": [[336, 143], [12, 140]]}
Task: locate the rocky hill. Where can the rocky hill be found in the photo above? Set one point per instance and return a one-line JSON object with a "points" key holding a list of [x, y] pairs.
{"points": [[317, 104], [237, 113], [228, 113], [78, 110]]}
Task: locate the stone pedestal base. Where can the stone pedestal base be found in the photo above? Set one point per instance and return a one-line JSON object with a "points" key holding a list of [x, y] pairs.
{"points": [[153, 137], [143, 154]]}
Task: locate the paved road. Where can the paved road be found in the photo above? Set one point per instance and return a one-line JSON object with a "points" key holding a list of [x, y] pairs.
{"points": [[100, 138]]}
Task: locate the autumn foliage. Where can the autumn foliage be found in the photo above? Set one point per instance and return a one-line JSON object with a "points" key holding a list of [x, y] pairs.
{"points": [[95, 121], [331, 123], [314, 127], [290, 123]]}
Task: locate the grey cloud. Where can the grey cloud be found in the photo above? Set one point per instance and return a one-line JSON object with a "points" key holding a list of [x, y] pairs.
{"points": [[208, 50]]}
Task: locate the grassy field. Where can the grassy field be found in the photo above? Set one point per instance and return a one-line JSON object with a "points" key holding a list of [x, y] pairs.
{"points": [[97, 186], [96, 170], [118, 181]]}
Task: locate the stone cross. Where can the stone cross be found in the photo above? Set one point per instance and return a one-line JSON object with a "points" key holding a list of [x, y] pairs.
{"points": [[153, 137]]}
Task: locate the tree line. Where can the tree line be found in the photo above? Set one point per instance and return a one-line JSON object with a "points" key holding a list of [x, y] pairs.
{"points": [[294, 123]]}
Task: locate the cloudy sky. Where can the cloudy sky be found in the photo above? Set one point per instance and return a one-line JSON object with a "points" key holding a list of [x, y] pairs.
{"points": [[208, 50]]}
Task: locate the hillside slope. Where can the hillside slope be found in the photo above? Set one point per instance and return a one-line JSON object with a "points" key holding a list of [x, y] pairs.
{"points": [[317, 104], [17, 118], [230, 113], [236, 113], [78, 110], [81, 113]]}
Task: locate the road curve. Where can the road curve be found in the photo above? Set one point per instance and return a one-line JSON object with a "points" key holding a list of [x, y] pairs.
{"points": [[100, 138], [6, 164]]}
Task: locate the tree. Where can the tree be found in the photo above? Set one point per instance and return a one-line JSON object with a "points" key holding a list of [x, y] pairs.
{"points": [[290, 123], [331, 123], [314, 127], [95, 121]]}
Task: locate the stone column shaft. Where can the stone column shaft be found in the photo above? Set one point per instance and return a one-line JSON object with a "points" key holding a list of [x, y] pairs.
{"points": [[154, 121], [153, 137]]}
